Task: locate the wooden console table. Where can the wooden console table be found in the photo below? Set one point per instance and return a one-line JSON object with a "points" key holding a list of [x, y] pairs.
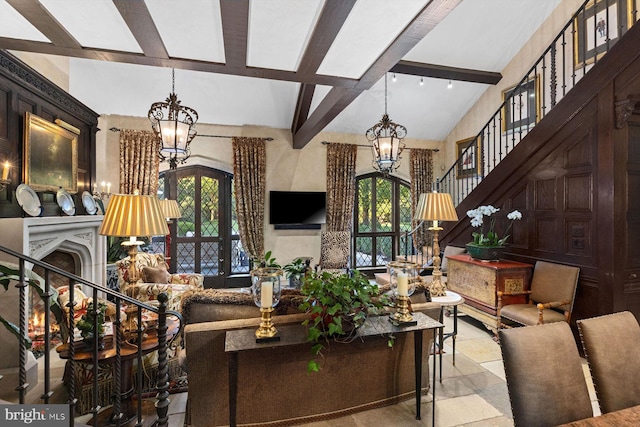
{"points": [[479, 282], [294, 334]]}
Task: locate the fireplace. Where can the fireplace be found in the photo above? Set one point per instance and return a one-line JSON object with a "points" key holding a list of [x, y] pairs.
{"points": [[60, 239]]}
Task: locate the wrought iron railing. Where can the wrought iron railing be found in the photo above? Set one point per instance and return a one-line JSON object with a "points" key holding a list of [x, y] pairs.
{"points": [[590, 33], [116, 415]]}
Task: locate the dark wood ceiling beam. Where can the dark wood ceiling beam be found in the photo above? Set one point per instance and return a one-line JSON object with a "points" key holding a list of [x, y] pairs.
{"points": [[235, 27], [179, 63], [334, 14], [339, 98], [39, 17], [138, 19], [430, 16], [305, 96], [447, 73]]}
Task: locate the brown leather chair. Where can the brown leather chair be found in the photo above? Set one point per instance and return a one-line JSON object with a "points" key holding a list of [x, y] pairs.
{"points": [[611, 345], [544, 375], [553, 290]]}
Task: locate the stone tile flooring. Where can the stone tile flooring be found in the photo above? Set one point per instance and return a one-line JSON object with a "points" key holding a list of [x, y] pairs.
{"points": [[472, 393]]}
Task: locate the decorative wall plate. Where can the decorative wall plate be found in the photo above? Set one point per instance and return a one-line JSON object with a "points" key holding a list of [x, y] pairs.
{"points": [[89, 203], [28, 200], [65, 201]]}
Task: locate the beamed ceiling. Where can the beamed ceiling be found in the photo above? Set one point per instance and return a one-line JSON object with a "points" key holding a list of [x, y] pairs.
{"points": [[307, 65]]}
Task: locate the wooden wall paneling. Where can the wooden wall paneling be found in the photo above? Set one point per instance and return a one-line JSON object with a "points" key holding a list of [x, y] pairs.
{"points": [[30, 91]]}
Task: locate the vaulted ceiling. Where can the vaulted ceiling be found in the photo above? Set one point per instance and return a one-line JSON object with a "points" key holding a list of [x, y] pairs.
{"points": [[307, 65]]}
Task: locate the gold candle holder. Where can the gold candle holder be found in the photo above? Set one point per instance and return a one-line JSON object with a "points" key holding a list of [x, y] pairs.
{"points": [[266, 330], [402, 314]]}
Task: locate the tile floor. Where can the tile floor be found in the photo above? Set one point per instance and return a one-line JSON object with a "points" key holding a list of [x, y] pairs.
{"points": [[472, 393]]}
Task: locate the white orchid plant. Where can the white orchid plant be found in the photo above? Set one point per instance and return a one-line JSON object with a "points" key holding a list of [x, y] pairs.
{"points": [[491, 238]]}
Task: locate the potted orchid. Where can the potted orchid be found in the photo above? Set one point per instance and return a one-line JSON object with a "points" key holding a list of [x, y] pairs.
{"points": [[488, 246]]}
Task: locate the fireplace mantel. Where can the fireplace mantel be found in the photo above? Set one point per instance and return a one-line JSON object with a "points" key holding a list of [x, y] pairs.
{"points": [[37, 237]]}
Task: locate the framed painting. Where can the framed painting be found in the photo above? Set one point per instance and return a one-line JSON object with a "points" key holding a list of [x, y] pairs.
{"points": [[468, 151], [521, 109], [599, 27], [50, 156]]}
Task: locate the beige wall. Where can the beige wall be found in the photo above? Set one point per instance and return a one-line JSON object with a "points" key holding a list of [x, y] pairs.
{"points": [[489, 102], [287, 169]]}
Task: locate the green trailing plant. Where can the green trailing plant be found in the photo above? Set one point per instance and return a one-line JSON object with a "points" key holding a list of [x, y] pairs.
{"points": [[9, 274], [337, 305]]}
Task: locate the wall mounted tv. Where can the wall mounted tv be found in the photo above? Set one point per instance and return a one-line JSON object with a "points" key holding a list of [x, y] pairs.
{"points": [[297, 210]]}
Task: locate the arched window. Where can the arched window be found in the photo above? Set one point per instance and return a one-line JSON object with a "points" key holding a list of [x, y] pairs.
{"points": [[206, 238], [382, 216]]}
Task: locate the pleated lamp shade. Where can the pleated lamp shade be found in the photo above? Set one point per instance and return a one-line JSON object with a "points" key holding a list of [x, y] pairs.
{"points": [[134, 215], [436, 207], [170, 209]]}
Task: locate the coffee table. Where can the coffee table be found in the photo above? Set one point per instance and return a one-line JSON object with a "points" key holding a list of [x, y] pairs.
{"points": [[245, 340]]}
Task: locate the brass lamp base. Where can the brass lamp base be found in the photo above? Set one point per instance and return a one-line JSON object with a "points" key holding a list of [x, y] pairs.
{"points": [[133, 252], [266, 331], [437, 288]]}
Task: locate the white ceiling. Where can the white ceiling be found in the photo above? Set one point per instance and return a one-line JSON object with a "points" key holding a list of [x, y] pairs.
{"points": [[478, 34]]}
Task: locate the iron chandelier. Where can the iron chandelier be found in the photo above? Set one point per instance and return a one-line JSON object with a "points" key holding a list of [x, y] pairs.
{"points": [[386, 138], [174, 125]]}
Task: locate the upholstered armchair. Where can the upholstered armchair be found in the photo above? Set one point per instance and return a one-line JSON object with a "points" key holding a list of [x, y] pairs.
{"points": [[553, 290], [335, 248], [154, 278]]}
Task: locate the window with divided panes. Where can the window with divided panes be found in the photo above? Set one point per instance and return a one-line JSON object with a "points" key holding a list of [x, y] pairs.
{"points": [[206, 238], [382, 218]]}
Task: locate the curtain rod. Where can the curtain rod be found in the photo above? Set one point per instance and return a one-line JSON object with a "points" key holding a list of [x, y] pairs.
{"points": [[115, 129], [435, 150]]}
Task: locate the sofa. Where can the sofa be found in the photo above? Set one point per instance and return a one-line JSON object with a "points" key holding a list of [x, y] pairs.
{"points": [[274, 387]]}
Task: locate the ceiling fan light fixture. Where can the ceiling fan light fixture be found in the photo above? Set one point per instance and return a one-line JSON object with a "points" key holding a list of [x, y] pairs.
{"points": [[174, 126]]}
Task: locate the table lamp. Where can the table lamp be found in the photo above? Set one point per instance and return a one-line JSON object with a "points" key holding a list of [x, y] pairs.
{"points": [[436, 207], [133, 215], [171, 211]]}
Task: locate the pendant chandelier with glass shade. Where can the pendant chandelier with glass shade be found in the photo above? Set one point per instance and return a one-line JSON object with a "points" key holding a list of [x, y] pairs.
{"points": [[174, 126], [386, 139]]}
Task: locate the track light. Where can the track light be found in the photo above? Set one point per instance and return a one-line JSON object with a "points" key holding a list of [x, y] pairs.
{"points": [[393, 78], [450, 85], [421, 81]]}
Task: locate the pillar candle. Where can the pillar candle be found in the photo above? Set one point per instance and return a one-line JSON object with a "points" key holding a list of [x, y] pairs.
{"points": [[403, 284], [266, 295], [5, 170]]}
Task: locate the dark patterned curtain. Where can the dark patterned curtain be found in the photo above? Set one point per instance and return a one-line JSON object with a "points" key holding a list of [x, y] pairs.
{"points": [[421, 182], [249, 172], [341, 186], [139, 162]]}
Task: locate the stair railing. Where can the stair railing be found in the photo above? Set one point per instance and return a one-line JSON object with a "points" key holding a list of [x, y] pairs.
{"points": [[582, 42], [116, 416]]}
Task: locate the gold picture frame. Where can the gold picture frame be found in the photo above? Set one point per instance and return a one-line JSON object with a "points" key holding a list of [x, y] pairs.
{"points": [[469, 159], [522, 111], [50, 156], [598, 27]]}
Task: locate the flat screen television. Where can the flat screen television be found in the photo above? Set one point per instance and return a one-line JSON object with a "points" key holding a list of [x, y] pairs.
{"points": [[297, 210]]}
